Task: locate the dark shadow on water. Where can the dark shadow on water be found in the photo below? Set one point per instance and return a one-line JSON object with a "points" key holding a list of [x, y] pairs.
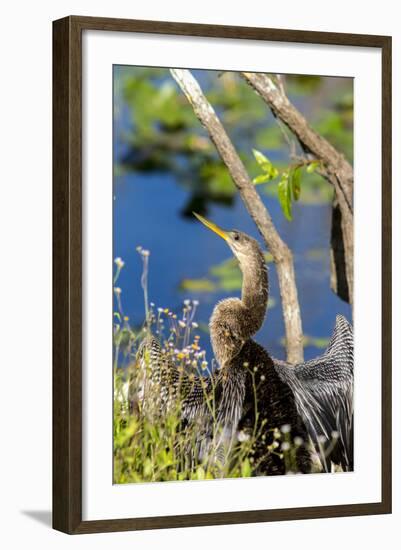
{"points": [[41, 516]]}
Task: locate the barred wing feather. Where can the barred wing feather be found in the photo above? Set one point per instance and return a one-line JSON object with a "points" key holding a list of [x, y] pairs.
{"points": [[167, 383], [323, 389]]}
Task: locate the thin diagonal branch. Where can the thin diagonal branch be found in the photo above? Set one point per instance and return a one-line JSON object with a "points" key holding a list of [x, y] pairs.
{"points": [[281, 253]]}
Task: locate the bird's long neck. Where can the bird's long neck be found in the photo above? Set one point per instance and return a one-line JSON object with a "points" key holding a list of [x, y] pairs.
{"points": [[255, 288], [234, 321]]}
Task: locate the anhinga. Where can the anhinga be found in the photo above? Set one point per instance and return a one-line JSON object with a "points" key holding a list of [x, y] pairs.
{"points": [[313, 399]]}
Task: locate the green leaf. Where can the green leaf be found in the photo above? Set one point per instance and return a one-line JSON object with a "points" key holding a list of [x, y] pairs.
{"points": [[200, 473], [296, 182], [147, 468], [273, 173], [284, 196], [246, 470], [262, 178], [312, 166], [269, 171], [263, 161]]}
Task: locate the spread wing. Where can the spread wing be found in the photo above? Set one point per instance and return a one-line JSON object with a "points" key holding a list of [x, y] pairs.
{"points": [[164, 383], [210, 405], [323, 389]]}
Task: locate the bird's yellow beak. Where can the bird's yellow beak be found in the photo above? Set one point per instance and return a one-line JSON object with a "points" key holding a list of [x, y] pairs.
{"points": [[210, 225]]}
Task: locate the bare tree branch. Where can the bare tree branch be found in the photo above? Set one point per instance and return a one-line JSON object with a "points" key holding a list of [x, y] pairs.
{"points": [[336, 169], [281, 253]]}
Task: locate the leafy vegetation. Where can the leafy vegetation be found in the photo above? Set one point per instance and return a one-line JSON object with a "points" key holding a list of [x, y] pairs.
{"points": [[164, 135], [289, 184], [157, 448]]}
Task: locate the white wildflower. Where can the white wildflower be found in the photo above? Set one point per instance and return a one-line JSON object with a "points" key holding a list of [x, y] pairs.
{"points": [[242, 436]]}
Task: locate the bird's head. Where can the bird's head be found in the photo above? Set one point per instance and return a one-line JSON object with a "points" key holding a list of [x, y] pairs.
{"points": [[244, 247]]}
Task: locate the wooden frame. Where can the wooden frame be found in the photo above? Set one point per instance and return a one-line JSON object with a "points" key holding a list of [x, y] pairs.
{"points": [[67, 274]]}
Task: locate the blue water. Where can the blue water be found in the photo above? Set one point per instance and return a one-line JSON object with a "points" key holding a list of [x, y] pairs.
{"points": [[147, 213]]}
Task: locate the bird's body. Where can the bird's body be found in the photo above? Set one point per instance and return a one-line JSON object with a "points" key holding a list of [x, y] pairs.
{"points": [[254, 394], [233, 323], [268, 403]]}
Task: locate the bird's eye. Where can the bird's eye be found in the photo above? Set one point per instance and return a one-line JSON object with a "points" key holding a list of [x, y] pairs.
{"points": [[236, 237]]}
